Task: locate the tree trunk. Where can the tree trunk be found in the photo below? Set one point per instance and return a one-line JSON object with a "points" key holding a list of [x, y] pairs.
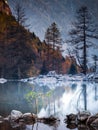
{"points": [[84, 49]]}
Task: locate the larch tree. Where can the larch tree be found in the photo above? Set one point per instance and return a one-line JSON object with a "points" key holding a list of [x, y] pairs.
{"points": [[19, 13], [81, 36], [47, 40], [53, 39]]}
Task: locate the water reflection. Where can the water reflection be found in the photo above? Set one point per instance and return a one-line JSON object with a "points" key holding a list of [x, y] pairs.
{"points": [[46, 101], [72, 97], [12, 97]]}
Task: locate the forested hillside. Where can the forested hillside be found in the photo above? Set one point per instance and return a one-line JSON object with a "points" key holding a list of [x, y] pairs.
{"points": [[22, 54]]}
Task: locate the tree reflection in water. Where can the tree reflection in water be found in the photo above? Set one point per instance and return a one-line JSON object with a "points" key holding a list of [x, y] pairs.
{"points": [[59, 101]]}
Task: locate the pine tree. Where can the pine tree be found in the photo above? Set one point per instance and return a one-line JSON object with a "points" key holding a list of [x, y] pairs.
{"points": [[19, 13], [53, 39], [81, 36], [47, 40]]}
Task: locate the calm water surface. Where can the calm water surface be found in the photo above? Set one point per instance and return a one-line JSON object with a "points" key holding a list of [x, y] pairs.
{"points": [[45, 101]]}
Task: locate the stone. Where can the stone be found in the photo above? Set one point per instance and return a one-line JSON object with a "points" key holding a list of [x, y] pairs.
{"points": [[27, 114], [71, 118], [15, 114], [91, 119], [95, 123], [83, 116], [29, 118]]}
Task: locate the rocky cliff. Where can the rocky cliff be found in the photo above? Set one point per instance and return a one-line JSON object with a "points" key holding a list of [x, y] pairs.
{"points": [[4, 7], [22, 54]]}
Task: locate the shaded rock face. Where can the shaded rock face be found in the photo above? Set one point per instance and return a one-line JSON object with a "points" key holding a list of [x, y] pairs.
{"points": [[4, 7]]}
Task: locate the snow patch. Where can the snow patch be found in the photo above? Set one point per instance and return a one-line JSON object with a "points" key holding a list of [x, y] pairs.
{"points": [[2, 80]]}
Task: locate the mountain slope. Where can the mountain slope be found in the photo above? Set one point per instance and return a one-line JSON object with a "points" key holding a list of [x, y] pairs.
{"points": [[22, 54]]}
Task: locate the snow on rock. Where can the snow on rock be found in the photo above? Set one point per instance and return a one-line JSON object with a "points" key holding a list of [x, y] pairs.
{"points": [[2, 80], [15, 114], [53, 80], [52, 73]]}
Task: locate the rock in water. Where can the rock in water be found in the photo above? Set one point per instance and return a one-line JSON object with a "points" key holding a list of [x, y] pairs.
{"points": [[29, 118], [83, 116], [2, 80], [91, 119], [95, 123], [15, 114], [29, 114], [71, 118]]}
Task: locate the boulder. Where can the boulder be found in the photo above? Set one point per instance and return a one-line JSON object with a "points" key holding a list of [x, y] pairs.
{"points": [[95, 123], [15, 114], [91, 119], [26, 114], [29, 118], [29, 114], [83, 116], [71, 118]]}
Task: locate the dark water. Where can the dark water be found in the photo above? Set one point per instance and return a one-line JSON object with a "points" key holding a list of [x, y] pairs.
{"points": [[46, 101]]}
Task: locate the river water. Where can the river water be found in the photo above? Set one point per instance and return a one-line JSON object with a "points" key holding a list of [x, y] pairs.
{"points": [[45, 101]]}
